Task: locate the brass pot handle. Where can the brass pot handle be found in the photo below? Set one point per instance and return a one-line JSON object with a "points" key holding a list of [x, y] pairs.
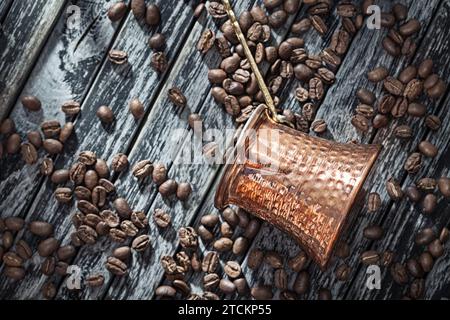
{"points": [[259, 79]]}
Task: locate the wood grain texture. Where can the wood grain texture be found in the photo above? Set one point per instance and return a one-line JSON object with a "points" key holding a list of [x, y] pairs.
{"points": [[192, 67], [403, 221], [268, 237], [25, 31], [65, 70], [114, 86], [365, 55], [4, 8]]}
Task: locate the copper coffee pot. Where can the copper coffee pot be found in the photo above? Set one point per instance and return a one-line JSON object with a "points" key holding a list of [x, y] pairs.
{"points": [[303, 185]]}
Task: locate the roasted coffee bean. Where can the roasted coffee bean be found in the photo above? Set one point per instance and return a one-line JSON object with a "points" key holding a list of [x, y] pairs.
{"points": [[226, 230], [184, 190], [416, 109], [138, 8], [343, 272], [47, 166], [413, 163], [206, 41], [403, 132], [330, 58], [122, 253], [65, 253], [118, 57], [117, 235], [393, 86], [51, 128], [437, 90], [408, 74], [326, 75], [430, 81], [230, 216], [378, 74], [409, 28], [298, 262], [139, 219], [7, 127], [12, 259], [395, 37], [255, 259], [23, 249], [277, 18], [417, 289], [365, 110], [141, 243], [373, 202], [90, 179], [261, 293], [426, 261], [161, 218], [217, 10], [41, 229], [119, 162], [386, 104], [228, 32], [223, 244], [301, 94], [95, 280], [399, 274], [370, 257], [373, 232], [122, 207], [52, 146], [48, 266], [394, 189], [7, 240], [111, 218], [259, 15], [136, 108], [31, 103], [303, 72], [436, 248], [302, 283], [105, 114], [280, 279], [273, 259], [199, 10], [14, 273], [316, 90], [414, 268], [101, 167], [188, 237], [409, 47], [92, 220], [61, 268], [232, 269], [129, 228], [245, 21], [346, 10], [386, 258], [226, 286], [35, 139], [157, 42], [427, 184], [425, 68], [159, 62], [159, 174], [444, 186], [87, 234], [143, 169], [47, 247], [99, 195], [49, 290], [252, 229], [425, 236], [360, 122], [210, 262], [153, 15], [117, 11], [391, 47], [209, 220], [429, 203], [413, 89], [66, 132], [318, 24], [14, 224], [63, 195], [240, 246], [244, 218], [205, 234], [413, 194], [428, 149], [433, 122], [168, 188], [216, 76], [272, 4], [13, 143], [380, 121], [302, 26], [116, 267], [400, 11], [86, 207]]}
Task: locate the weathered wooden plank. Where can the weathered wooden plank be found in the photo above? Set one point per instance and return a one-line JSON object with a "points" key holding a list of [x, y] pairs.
{"points": [[402, 222], [114, 87], [4, 8], [201, 177], [66, 68], [268, 236], [366, 54], [25, 31]]}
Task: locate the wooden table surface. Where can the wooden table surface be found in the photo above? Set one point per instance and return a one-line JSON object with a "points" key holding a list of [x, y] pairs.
{"points": [[48, 51]]}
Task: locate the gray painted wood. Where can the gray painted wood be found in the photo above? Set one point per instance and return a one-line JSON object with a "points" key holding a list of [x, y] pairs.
{"points": [[25, 31], [114, 87], [4, 8], [390, 162], [268, 236], [402, 222], [66, 68]]}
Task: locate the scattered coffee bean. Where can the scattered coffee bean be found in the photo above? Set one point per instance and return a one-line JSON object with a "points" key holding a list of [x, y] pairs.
{"points": [[255, 259], [116, 267], [232, 269], [159, 62], [47, 247], [262, 293], [138, 8], [428, 149], [31, 103], [370, 257], [153, 15], [444, 186], [117, 11], [343, 272], [378, 74], [394, 189]]}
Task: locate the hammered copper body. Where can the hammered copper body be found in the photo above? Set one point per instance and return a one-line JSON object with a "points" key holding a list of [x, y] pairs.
{"points": [[302, 184]]}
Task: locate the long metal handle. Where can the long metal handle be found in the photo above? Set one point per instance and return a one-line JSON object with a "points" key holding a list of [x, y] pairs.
{"points": [[248, 54]]}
